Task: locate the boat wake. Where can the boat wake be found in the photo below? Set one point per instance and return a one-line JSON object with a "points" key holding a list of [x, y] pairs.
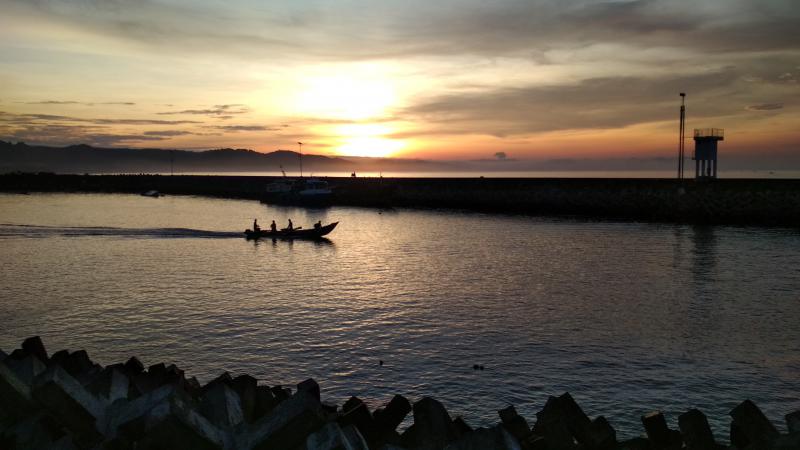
{"points": [[8, 230]]}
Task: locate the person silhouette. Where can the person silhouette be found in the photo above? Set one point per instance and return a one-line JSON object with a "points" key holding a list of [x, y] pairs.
{"points": [[273, 227], [290, 227], [256, 228]]}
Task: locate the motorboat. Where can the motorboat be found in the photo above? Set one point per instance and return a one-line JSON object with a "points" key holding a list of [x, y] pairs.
{"points": [[296, 233]]}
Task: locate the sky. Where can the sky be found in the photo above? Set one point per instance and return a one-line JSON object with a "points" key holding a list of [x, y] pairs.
{"points": [[468, 79]]}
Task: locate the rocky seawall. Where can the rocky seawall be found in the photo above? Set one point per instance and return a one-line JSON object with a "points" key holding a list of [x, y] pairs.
{"points": [[67, 401], [733, 201]]}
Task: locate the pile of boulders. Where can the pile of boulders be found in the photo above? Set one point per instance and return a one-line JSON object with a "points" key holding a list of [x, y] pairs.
{"points": [[66, 401]]}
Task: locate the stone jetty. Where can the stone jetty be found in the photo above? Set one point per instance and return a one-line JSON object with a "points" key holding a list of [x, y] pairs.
{"points": [[66, 401], [723, 201]]}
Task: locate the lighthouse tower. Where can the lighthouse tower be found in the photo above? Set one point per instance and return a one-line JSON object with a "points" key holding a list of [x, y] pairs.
{"points": [[705, 152]]}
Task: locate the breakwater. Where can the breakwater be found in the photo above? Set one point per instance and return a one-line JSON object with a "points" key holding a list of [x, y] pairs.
{"points": [[734, 201], [67, 401]]}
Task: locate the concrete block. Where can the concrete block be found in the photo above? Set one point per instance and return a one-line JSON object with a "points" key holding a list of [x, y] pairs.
{"points": [[26, 368], [355, 412], [789, 441], [600, 435], [286, 426], [225, 378], [514, 423], [246, 386], [434, 427], [496, 438], [638, 443], [793, 422], [552, 423], [462, 427], [333, 437], [69, 403], [310, 386], [392, 415], [34, 346], [655, 425], [221, 405], [35, 432], [110, 385], [134, 366], [594, 435], [695, 431], [16, 400], [265, 401], [281, 393], [173, 424], [58, 358], [124, 412], [753, 424], [80, 367]]}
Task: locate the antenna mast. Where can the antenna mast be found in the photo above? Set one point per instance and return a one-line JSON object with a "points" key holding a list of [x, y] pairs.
{"points": [[300, 144], [681, 136]]}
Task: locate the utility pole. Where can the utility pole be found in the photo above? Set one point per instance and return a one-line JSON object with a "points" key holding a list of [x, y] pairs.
{"points": [[300, 144], [681, 136]]}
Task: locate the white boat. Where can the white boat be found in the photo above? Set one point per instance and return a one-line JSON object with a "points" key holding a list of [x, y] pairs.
{"points": [[315, 188]]}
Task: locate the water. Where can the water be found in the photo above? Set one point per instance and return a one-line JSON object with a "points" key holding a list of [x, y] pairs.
{"points": [[628, 317]]}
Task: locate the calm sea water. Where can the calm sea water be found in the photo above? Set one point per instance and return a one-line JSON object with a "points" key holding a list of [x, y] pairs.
{"points": [[628, 317]]}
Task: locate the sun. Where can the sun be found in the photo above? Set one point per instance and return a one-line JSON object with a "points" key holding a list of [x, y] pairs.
{"points": [[357, 94], [367, 140], [373, 147]]}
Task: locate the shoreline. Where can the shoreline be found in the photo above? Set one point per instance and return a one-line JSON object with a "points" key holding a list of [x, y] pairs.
{"points": [[67, 401], [768, 202]]}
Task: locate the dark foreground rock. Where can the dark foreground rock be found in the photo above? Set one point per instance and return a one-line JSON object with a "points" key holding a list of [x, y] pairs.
{"points": [[68, 402]]}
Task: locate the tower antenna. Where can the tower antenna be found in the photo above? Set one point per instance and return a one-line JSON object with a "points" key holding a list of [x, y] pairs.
{"points": [[681, 135], [300, 144]]}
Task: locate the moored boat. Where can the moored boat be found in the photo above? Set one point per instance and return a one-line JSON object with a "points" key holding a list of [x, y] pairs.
{"points": [[297, 233]]}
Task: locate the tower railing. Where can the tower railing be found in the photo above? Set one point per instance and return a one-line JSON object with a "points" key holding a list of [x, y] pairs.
{"points": [[709, 133]]}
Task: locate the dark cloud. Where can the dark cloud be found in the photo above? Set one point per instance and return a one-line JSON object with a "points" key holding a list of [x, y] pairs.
{"points": [[72, 102], [60, 134], [53, 102], [167, 133], [219, 111], [418, 27], [235, 128], [598, 103], [26, 118], [765, 107]]}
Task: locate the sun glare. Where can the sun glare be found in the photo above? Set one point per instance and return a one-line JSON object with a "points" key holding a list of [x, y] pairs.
{"points": [[367, 140], [345, 96], [375, 147]]}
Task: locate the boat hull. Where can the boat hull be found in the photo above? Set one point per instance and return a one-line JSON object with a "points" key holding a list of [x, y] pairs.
{"points": [[311, 233]]}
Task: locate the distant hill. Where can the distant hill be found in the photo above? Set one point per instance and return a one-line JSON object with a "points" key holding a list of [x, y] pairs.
{"points": [[87, 159]]}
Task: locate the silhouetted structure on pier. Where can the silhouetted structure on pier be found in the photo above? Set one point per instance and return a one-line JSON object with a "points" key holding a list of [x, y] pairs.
{"points": [[705, 151]]}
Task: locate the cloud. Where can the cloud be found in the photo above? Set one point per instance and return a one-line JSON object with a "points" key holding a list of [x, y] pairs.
{"points": [[597, 103], [236, 128], [167, 133], [53, 102], [31, 118], [422, 28], [219, 111], [72, 102], [765, 107]]}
